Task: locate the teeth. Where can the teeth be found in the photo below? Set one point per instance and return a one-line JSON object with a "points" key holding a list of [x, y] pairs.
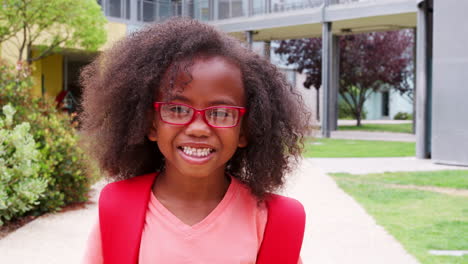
{"points": [[197, 152]]}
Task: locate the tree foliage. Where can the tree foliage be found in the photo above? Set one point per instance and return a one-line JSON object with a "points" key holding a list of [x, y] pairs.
{"points": [[367, 63], [51, 24]]}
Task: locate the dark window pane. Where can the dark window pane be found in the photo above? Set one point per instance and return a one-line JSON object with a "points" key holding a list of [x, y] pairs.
{"points": [[139, 3], [114, 8], [165, 9], [127, 10], [385, 103], [149, 9]]}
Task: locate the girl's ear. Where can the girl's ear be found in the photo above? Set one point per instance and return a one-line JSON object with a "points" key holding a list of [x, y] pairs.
{"points": [[243, 142], [152, 134]]}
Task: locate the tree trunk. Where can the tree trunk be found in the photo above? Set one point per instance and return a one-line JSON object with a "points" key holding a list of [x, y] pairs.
{"points": [[357, 115]]}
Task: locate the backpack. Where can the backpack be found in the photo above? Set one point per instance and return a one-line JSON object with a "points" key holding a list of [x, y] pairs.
{"points": [[122, 210]]}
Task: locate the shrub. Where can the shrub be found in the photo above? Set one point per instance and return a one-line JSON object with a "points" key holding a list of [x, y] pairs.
{"points": [[20, 184], [62, 164], [403, 116]]}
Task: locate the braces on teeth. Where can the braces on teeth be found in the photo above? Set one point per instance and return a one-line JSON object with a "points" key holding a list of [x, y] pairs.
{"points": [[196, 151]]}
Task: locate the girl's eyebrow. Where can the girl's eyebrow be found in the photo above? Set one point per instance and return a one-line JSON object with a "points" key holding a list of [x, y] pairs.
{"points": [[184, 99]]}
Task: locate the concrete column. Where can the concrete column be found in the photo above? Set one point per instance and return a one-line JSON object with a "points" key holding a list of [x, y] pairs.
{"points": [[249, 38], [334, 82], [326, 72], [423, 54], [267, 49]]}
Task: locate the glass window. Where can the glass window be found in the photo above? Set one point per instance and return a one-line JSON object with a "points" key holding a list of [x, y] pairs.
{"points": [[258, 7], [149, 8], [118, 8], [237, 8], [202, 10], [165, 9], [127, 9], [223, 9], [114, 8]]}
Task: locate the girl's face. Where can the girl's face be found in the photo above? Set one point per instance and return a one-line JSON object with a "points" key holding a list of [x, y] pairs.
{"points": [[197, 149]]}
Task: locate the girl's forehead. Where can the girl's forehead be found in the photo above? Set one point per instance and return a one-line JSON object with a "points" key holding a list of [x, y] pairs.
{"points": [[216, 77], [205, 69]]}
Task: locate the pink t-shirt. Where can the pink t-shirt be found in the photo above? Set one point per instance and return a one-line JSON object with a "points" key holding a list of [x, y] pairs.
{"points": [[230, 234]]}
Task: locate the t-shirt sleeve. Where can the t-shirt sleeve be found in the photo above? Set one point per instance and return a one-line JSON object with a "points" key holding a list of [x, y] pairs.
{"points": [[93, 253]]}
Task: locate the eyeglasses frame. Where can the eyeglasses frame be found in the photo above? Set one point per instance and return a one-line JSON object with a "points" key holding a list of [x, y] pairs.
{"points": [[242, 111]]}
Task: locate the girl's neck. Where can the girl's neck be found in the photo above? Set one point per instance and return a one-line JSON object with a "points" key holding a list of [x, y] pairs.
{"points": [[176, 187]]}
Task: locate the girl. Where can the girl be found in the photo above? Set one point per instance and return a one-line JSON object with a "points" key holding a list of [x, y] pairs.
{"points": [[200, 130]]}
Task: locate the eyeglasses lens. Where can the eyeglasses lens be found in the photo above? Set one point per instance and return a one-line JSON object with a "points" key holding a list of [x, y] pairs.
{"points": [[177, 114], [217, 116], [222, 117]]}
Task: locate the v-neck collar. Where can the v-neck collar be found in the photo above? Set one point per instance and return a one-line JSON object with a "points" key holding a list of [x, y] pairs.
{"points": [[180, 226]]}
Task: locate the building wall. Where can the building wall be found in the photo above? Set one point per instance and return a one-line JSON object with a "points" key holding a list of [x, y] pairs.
{"points": [[48, 75], [450, 91], [397, 103]]}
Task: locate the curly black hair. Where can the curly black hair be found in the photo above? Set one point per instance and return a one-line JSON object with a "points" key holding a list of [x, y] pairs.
{"points": [[121, 84]]}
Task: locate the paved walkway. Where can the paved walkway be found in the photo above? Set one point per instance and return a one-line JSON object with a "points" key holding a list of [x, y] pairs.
{"points": [[378, 165], [345, 122], [338, 229], [370, 135]]}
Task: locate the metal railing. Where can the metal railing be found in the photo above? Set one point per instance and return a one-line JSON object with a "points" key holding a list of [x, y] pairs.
{"points": [[207, 10]]}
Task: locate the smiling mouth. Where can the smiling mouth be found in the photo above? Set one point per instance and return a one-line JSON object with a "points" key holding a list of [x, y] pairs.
{"points": [[196, 152]]}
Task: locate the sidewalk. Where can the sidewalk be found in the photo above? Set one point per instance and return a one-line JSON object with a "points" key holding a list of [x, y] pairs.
{"points": [[369, 135], [338, 229], [378, 165]]}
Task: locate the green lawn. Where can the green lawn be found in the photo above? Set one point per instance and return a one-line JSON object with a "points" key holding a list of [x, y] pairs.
{"points": [[343, 148], [420, 220], [399, 128]]}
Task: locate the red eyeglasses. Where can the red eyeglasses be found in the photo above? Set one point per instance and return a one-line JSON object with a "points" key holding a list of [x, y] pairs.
{"points": [[215, 116]]}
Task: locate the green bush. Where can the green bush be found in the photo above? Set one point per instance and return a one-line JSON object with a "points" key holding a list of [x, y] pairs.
{"points": [[62, 164], [403, 116], [20, 184]]}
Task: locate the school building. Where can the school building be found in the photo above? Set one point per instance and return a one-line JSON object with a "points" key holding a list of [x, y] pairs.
{"points": [[441, 56]]}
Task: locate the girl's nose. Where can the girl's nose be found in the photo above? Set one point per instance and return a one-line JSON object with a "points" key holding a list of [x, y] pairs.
{"points": [[198, 127]]}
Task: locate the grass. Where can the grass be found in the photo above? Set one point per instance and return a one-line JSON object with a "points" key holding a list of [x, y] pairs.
{"points": [[420, 220], [398, 128], [343, 148]]}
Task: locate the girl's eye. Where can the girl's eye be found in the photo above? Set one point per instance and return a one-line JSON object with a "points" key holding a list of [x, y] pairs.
{"points": [[220, 113], [179, 109]]}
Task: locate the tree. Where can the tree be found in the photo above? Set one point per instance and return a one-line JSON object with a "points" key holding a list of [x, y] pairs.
{"points": [[49, 25], [367, 62]]}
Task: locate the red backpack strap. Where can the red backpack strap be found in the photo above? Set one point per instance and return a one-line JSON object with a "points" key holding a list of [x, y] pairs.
{"points": [[284, 231], [122, 210]]}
